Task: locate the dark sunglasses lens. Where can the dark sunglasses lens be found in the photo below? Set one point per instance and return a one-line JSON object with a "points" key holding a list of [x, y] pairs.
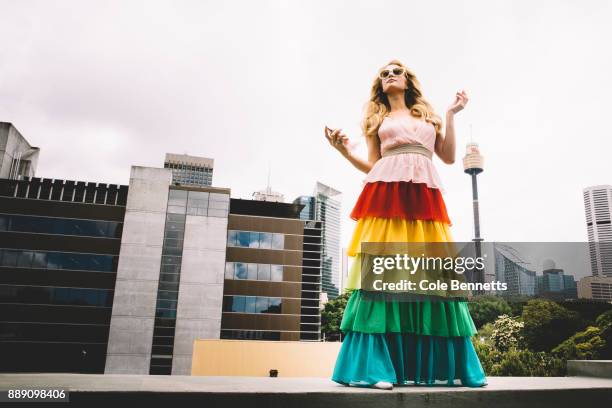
{"points": [[384, 74], [398, 71]]}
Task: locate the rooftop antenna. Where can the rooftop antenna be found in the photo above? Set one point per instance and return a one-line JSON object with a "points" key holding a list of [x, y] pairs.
{"points": [[269, 166]]}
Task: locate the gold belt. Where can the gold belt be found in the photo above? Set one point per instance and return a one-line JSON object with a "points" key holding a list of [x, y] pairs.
{"points": [[409, 148]]}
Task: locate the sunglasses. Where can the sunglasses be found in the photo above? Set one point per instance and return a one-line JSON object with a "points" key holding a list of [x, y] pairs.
{"points": [[385, 73]]}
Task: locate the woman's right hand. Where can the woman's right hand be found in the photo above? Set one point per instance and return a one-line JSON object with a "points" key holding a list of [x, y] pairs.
{"points": [[338, 140]]}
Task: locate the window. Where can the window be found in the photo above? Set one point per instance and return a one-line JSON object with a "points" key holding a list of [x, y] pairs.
{"points": [[252, 271], [276, 273], [243, 239], [170, 268], [169, 277], [60, 226], [263, 272], [241, 270], [249, 304], [25, 259], [262, 304], [275, 305], [266, 240], [254, 239], [252, 304], [232, 238], [278, 241], [177, 201], [57, 260], [197, 203], [238, 303]]}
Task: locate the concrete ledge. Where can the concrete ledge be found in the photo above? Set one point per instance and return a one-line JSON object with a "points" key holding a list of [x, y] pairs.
{"points": [[590, 368], [296, 392]]}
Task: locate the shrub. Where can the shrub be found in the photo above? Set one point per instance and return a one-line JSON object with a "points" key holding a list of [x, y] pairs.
{"points": [[585, 345], [506, 333], [514, 362], [547, 324]]}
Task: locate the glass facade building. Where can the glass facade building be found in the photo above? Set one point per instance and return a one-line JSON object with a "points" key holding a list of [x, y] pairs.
{"points": [[555, 284], [181, 203], [511, 268], [272, 281], [324, 205], [59, 249]]}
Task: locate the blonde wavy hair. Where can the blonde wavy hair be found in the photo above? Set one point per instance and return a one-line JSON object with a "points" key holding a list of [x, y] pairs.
{"points": [[378, 106]]}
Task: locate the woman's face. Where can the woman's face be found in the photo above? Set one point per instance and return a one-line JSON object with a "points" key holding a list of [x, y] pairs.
{"points": [[393, 83]]}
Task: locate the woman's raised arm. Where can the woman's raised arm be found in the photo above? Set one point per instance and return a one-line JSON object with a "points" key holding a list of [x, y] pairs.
{"points": [[340, 142]]}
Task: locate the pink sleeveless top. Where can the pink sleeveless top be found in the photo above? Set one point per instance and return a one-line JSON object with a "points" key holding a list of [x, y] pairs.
{"points": [[405, 166]]}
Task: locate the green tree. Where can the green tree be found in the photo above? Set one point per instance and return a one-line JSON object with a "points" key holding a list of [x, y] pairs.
{"points": [[331, 316], [547, 324], [485, 309], [517, 303], [604, 322], [585, 345], [588, 309]]}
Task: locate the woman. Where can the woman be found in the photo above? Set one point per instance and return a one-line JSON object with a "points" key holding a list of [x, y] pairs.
{"points": [[424, 341]]}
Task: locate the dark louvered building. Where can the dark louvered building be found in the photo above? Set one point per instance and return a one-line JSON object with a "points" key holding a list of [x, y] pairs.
{"points": [[59, 249]]}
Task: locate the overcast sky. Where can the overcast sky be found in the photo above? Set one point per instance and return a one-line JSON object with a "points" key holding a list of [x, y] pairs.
{"points": [[103, 85]]}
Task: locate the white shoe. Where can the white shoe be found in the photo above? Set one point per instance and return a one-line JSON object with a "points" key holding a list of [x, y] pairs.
{"points": [[383, 385]]}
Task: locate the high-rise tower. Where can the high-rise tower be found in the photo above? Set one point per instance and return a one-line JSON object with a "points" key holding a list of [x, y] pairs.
{"points": [[473, 164], [324, 205], [598, 210]]}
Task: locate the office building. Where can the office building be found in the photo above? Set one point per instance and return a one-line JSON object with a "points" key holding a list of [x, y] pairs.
{"points": [[169, 288], [96, 279], [123, 279], [324, 206], [272, 273], [18, 158], [510, 267], [59, 251], [598, 208], [554, 284], [190, 170], [596, 288]]}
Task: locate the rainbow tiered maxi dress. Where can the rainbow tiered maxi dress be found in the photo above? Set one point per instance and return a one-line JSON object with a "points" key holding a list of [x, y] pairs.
{"points": [[424, 341]]}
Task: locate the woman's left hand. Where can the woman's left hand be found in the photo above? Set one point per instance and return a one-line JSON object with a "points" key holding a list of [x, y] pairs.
{"points": [[461, 100]]}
